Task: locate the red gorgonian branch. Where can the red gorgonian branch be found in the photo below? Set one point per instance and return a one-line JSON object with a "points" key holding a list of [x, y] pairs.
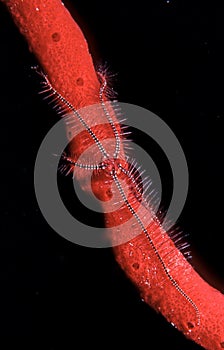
{"points": [[164, 278]]}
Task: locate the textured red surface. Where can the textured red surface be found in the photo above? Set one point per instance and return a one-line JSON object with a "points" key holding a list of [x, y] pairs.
{"points": [[140, 264], [59, 45], [62, 51]]}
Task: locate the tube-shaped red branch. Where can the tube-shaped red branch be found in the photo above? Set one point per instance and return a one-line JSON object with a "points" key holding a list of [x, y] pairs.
{"points": [[165, 279], [60, 47]]}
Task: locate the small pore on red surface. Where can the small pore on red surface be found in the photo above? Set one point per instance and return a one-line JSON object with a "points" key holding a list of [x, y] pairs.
{"points": [[56, 36], [190, 325], [79, 81], [135, 266], [109, 193]]}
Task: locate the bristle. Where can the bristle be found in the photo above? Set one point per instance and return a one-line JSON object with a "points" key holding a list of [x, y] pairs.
{"points": [[179, 239], [104, 73]]}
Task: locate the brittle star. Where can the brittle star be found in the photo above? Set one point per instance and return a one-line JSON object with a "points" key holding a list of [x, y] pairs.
{"points": [[113, 166]]}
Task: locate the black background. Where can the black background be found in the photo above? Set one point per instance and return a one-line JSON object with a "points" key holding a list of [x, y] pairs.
{"points": [[168, 58]]}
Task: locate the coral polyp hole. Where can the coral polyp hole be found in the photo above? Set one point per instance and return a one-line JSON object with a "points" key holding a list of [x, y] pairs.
{"points": [[135, 266], [109, 193], [222, 344], [56, 36], [190, 325], [80, 82]]}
